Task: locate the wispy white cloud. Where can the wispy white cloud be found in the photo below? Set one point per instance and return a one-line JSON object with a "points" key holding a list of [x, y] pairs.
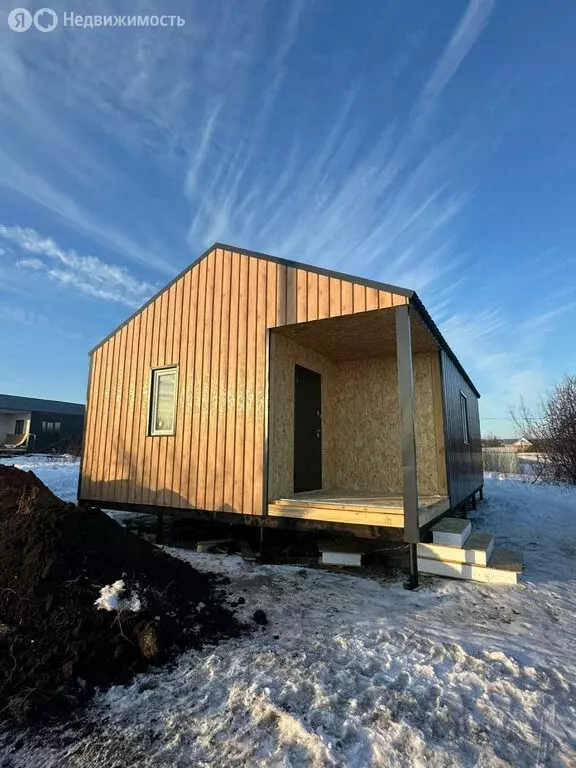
{"points": [[85, 274], [21, 316], [467, 32], [385, 206], [30, 263]]}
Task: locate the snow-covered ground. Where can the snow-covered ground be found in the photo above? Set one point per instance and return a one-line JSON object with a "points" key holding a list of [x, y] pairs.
{"points": [[59, 473], [355, 672]]}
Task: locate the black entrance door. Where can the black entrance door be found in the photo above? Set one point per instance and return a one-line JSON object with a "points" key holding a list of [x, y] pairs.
{"points": [[307, 430]]}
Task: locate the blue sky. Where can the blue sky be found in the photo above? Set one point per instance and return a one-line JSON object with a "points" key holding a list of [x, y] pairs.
{"points": [[426, 144]]}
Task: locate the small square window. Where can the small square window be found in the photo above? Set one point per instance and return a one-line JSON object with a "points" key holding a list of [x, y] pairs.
{"points": [[163, 401], [464, 415], [19, 427]]}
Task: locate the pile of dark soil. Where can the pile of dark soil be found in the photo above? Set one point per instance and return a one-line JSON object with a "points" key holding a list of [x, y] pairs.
{"points": [[56, 647]]}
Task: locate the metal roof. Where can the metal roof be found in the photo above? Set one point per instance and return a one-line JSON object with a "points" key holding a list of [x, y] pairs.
{"points": [[411, 295], [17, 403]]}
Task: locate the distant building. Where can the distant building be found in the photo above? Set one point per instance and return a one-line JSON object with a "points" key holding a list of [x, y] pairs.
{"points": [[30, 424], [523, 443], [507, 443]]}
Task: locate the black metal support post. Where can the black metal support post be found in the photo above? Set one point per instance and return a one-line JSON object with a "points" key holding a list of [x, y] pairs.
{"points": [[412, 583], [406, 403], [464, 511], [474, 500], [481, 493], [261, 548], [160, 528]]}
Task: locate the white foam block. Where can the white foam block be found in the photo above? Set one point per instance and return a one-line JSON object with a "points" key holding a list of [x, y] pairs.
{"points": [[468, 572], [451, 531], [341, 558]]}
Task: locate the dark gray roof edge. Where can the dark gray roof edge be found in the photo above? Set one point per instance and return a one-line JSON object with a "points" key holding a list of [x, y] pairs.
{"points": [[18, 402], [258, 255], [416, 302]]}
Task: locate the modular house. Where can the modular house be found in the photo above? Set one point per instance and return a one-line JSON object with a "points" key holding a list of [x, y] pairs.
{"points": [[275, 393], [32, 424]]}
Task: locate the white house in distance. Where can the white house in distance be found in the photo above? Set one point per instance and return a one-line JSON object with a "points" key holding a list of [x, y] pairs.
{"points": [[32, 424]]}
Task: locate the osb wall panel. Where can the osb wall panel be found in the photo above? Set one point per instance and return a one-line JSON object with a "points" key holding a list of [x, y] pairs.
{"points": [[211, 322], [284, 355], [361, 441], [367, 451]]}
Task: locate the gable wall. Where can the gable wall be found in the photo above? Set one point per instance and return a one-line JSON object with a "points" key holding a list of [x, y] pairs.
{"points": [[211, 322]]}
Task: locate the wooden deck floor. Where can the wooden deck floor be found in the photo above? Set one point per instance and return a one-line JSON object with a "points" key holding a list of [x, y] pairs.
{"points": [[359, 509]]}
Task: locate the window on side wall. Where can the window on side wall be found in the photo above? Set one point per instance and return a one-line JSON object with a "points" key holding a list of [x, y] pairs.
{"points": [[464, 414], [51, 426], [163, 401], [19, 427]]}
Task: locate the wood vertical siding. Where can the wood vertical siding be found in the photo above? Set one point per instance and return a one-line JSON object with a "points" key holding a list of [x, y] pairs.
{"points": [[211, 323], [464, 462]]}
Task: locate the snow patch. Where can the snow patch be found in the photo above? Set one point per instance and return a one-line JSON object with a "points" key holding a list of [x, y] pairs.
{"points": [[111, 599]]}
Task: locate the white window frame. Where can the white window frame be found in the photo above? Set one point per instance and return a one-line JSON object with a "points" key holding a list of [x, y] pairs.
{"points": [[155, 374], [464, 417]]}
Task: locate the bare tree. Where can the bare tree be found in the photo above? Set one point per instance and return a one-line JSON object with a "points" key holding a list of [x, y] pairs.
{"points": [[552, 430]]}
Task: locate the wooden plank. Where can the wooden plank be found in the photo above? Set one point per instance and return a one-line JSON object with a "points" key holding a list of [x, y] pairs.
{"points": [[428, 514], [91, 442], [312, 294], [371, 299], [359, 298], [125, 428], [271, 308], [103, 449], [392, 509], [260, 385], [281, 278], [178, 355], [249, 447], [347, 298], [214, 379], [301, 295], [354, 517], [204, 416], [186, 386], [145, 447], [191, 416], [131, 406], [384, 300], [323, 296], [224, 346], [239, 450], [117, 375], [158, 453], [231, 388], [291, 296], [335, 297], [164, 495]]}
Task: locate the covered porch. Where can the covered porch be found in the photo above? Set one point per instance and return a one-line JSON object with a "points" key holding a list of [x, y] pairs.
{"points": [[386, 511], [369, 450]]}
